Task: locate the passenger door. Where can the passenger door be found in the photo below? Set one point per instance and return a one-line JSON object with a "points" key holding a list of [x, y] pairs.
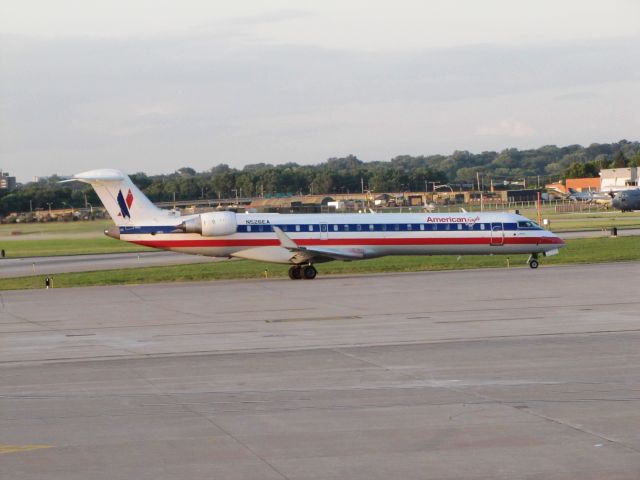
{"points": [[497, 234], [324, 231]]}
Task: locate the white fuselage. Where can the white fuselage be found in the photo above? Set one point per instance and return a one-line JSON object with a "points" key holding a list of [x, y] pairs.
{"points": [[373, 235]]}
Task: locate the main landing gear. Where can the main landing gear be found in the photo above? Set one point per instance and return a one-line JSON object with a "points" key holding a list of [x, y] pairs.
{"points": [[308, 272], [533, 260]]}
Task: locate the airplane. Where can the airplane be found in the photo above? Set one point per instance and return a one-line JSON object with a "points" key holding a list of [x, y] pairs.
{"points": [[589, 196], [627, 200], [303, 240]]}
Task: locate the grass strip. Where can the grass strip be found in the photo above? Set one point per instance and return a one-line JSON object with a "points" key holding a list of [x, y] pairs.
{"points": [[68, 246], [588, 250], [46, 228]]}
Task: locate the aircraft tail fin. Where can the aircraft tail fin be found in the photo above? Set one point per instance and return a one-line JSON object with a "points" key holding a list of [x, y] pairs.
{"points": [[126, 204]]}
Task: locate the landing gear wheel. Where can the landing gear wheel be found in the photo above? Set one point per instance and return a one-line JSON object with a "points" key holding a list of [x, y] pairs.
{"points": [[533, 263], [309, 272], [295, 272]]}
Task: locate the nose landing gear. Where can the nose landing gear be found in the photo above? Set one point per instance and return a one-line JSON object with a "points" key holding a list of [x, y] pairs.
{"points": [[533, 260], [308, 272]]}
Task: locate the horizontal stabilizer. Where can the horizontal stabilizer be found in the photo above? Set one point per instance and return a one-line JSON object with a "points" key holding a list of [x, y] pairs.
{"points": [[126, 204]]}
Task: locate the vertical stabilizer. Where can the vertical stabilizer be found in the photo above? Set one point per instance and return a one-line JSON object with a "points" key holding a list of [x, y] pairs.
{"points": [[126, 204]]}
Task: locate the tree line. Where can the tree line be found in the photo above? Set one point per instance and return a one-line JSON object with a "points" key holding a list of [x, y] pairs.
{"points": [[344, 175]]}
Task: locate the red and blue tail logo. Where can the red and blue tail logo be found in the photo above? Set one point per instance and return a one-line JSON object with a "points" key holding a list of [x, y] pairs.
{"points": [[125, 204]]}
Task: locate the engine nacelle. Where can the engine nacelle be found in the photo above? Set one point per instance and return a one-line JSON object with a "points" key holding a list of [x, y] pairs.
{"points": [[211, 224]]}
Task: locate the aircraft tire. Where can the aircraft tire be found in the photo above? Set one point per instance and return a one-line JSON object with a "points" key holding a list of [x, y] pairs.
{"points": [[309, 272], [295, 272], [533, 263]]}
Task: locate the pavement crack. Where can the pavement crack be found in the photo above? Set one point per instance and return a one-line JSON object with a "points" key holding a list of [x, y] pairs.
{"points": [[244, 445], [571, 426], [188, 407]]}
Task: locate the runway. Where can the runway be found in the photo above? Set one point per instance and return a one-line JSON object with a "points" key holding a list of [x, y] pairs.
{"points": [[486, 374]]}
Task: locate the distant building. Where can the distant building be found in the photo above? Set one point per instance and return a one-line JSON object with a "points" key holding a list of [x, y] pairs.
{"points": [[583, 184], [618, 178], [7, 182], [557, 187]]}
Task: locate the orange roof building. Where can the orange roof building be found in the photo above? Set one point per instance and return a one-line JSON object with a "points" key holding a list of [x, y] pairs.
{"points": [[584, 184]]}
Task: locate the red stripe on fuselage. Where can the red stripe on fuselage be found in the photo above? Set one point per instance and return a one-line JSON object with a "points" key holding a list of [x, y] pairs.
{"points": [[350, 241]]}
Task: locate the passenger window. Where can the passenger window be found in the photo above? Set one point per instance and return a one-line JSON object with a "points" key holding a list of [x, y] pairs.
{"points": [[346, 228], [409, 227], [359, 227], [335, 228], [459, 226], [422, 226], [297, 228], [248, 228], [396, 227], [384, 228], [311, 228], [371, 228]]}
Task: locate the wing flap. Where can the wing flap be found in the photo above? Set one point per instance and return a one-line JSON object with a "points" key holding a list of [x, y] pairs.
{"points": [[335, 253]]}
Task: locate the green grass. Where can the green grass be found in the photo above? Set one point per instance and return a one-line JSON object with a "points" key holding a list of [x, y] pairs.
{"points": [[585, 221], [592, 250], [67, 246], [16, 230]]}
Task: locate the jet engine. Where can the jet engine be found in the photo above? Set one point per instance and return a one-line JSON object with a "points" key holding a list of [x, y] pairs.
{"points": [[211, 224]]}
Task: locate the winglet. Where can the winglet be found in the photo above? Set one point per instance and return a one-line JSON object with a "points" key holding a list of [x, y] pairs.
{"points": [[285, 241]]}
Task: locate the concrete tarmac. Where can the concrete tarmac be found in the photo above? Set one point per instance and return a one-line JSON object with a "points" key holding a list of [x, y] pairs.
{"points": [[486, 374]]}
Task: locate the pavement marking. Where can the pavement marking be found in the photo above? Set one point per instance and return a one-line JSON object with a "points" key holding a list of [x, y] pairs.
{"points": [[314, 319], [5, 448]]}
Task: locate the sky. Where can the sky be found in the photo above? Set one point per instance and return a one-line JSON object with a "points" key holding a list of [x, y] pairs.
{"points": [[155, 85]]}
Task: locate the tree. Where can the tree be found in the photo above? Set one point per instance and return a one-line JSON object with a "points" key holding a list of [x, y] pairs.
{"points": [[581, 170], [619, 160], [186, 171], [244, 183]]}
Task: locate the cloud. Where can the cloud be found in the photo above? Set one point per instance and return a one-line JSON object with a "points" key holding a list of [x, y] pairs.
{"points": [[507, 128], [153, 101], [576, 96]]}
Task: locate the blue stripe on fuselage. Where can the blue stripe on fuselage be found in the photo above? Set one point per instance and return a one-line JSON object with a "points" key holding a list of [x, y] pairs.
{"points": [[147, 230], [342, 227]]}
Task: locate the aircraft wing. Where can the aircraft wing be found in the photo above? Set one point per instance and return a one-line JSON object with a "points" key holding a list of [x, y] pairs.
{"points": [[330, 253], [304, 254]]}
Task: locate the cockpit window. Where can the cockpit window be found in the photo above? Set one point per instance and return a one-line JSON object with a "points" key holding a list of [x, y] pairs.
{"points": [[528, 225]]}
